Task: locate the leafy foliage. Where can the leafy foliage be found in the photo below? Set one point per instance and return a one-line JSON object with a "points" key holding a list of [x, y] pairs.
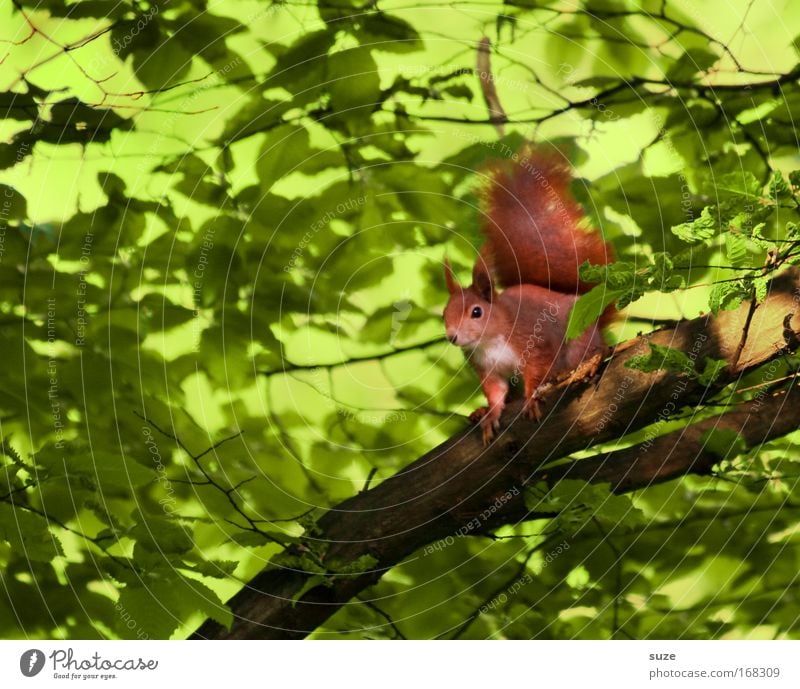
{"points": [[221, 237]]}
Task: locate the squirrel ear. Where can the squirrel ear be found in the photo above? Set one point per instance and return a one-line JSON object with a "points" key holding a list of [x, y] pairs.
{"points": [[482, 280], [452, 284]]}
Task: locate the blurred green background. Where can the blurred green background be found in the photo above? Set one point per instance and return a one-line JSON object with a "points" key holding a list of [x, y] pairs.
{"points": [[221, 238]]}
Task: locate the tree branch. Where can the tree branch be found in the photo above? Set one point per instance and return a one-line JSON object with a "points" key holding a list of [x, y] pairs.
{"points": [[460, 481]]}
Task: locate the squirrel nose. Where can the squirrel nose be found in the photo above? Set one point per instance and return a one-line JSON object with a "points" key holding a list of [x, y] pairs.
{"points": [[452, 337]]}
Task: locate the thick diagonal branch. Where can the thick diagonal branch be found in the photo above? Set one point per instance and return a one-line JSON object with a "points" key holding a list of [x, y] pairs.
{"points": [[459, 480]]}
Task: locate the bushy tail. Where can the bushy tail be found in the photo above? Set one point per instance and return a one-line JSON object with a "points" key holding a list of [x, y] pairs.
{"points": [[535, 230]]}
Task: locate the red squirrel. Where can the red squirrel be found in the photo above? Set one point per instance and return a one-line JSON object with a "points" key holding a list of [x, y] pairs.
{"points": [[535, 240]]}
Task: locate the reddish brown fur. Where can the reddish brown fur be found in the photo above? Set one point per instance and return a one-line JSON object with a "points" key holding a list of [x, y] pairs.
{"points": [[535, 230], [535, 242]]}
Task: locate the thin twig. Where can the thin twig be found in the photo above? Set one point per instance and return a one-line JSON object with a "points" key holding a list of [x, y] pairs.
{"points": [[385, 616]]}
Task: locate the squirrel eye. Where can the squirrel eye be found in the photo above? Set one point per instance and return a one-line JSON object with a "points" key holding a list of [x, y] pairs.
{"points": [[477, 312]]}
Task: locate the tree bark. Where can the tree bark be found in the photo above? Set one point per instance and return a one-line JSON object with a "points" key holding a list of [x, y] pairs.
{"points": [[460, 481]]}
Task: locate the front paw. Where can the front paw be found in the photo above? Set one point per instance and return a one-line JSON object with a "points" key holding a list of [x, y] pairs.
{"points": [[532, 409], [478, 414], [490, 424]]}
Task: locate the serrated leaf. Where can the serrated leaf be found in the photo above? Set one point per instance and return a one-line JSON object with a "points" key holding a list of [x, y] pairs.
{"points": [[615, 275], [362, 564], [760, 287], [217, 569], [663, 263], [758, 238], [778, 187], [741, 183], [736, 249], [154, 611], [699, 229], [727, 295], [112, 475], [299, 563], [661, 273]]}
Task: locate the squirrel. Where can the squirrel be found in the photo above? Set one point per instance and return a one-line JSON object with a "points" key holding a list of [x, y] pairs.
{"points": [[535, 240]]}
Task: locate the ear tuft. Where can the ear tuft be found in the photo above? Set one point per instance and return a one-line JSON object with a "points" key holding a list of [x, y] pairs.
{"points": [[482, 280], [452, 284]]}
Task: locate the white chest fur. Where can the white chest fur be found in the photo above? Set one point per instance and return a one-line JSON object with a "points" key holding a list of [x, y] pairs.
{"points": [[498, 356]]}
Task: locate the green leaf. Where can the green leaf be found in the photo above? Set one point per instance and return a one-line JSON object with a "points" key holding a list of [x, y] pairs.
{"points": [[112, 475], [661, 358], [258, 115], [736, 249], [218, 569], [382, 31], [161, 535], [361, 565], [459, 91], [156, 609], [757, 237], [73, 120], [28, 534], [727, 295], [588, 308], [18, 106], [699, 229], [661, 273], [724, 442], [284, 150], [299, 563], [690, 63], [739, 184], [779, 189], [600, 81], [760, 288], [311, 583], [14, 204], [207, 36], [353, 83], [712, 368], [616, 275], [576, 502], [300, 67], [630, 296]]}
